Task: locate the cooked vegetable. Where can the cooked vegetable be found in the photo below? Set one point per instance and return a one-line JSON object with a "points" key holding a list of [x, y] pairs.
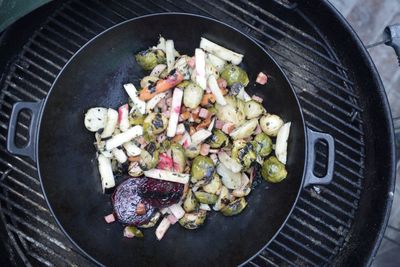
{"points": [[235, 207], [214, 185], [123, 120], [281, 142], [253, 109], [244, 152], [218, 139], [204, 207], [119, 155], [106, 173], [111, 124], [157, 70], [96, 119], [223, 199], [192, 95], [167, 176], [178, 157], [270, 124], [206, 198], [213, 85], [200, 72], [132, 149], [162, 85], [192, 151], [155, 123], [147, 81], [234, 74], [245, 130], [162, 228], [193, 220], [217, 62], [273, 170], [175, 111], [136, 119], [131, 231], [148, 59], [190, 204], [170, 55], [220, 51], [149, 157], [124, 137], [152, 103], [200, 136], [134, 169], [264, 144], [202, 168], [177, 211], [153, 221], [229, 163], [138, 104], [230, 112], [230, 179]]}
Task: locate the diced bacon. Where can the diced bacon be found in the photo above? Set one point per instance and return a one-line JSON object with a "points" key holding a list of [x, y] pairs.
{"points": [[110, 218], [219, 124], [196, 111], [204, 113], [222, 83], [180, 129], [228, 127], [123, 112], [169, 101], [204, 149], [172, 219], [166, 113], [192, 62], [258, 129], [262, 78], [257, 98], [208, 91]]}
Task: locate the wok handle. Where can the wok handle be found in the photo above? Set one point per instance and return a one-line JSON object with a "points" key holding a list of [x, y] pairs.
{"points": [[312, 138], [30, 149]]}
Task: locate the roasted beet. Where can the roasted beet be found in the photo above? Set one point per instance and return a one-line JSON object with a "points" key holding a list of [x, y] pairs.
{"points": [[160, 193], [125, 200]]}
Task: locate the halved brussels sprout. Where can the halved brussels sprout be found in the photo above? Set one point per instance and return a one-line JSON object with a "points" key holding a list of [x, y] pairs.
{"points": [[148, 59], [253, 109], [202, 168], [133, 231], [155, 123], [192, 151], [273, 170], [234, 74], [270, 124], [229, 179], [152, 221], [263, 144], [192, 95], [149, 157], [232, 112], [223, 199], [218, 139], [245, 130], [134, 169], [136, 120], [235, 207], [244, 152], [178, 157], [193, 220], [206, 198], [147, 81], [214, 185], [190, 204]]}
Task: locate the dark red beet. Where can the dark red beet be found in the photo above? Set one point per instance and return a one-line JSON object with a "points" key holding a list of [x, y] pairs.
{"points": [[125, 200], [152, 193]]}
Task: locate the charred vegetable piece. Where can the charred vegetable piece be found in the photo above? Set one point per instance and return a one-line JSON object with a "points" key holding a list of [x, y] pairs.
{"points": [[273, 170], [223, 199], [160, 86], [192, 151], [235, 207], [206, 198], [193, 220], [148, 59], [178, 157], [153, 221], [192, 95], [96, 119], [244, 152], [160, 193], [234, 74], [218, 139], [270, 124], [132, 231], [136, 120], [155, 123], [263, 144], [202, 168], [214, 185], [149, 157], [190, 204]]}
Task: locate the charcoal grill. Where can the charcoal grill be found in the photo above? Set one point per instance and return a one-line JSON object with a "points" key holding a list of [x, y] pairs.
{"points": [[336, 82]]}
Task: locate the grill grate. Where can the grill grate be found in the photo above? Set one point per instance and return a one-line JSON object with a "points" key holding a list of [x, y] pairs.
{"points": [[322, 219]]}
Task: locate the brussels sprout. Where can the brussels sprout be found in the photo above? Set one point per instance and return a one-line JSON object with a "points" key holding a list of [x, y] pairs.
{"points": [[136, 120], [202, 167], [244, 152], [218, 139], [193, 220], [270, 124], [235, 207], [214, 185], [229, 179], [155, 123], [147, 81], [232, 112], [253, 109], [152, 221], [183, 84], [149, 157], [234, 74], [206, 198], [273, 170], [190, 204], [192, 151], [133, 231], [148, 59], [223, 199], [245, 130], [178, 156], [165, 145], [192, 95], [263, 144], [134, 169]]}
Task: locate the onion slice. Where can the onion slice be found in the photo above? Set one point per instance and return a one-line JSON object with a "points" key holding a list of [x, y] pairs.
{"points": [[167, 176], [220, 51], [124, 137], [213, 85], [139, 104]]}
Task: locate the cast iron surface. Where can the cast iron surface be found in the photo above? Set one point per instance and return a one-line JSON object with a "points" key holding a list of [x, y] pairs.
{"points": [[66, 158], [339, 92]]}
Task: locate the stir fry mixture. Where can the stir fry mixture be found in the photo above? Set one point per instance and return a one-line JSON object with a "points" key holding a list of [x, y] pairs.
{"points": [[190, 141]]}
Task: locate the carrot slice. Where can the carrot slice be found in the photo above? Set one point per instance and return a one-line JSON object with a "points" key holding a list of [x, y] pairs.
{"points": [[166, 84], [208, 99]]}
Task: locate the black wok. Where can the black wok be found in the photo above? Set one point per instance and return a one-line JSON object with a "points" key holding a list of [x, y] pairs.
{"points": [[67, 164]]}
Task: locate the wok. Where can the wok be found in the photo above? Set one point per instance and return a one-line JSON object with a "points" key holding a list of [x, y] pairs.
{"points": [[67, 165]]}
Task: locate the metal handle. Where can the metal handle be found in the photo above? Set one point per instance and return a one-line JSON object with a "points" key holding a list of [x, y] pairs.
{"points": [[392, 35], [288, 4], [312, 139], [30, 149]]}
